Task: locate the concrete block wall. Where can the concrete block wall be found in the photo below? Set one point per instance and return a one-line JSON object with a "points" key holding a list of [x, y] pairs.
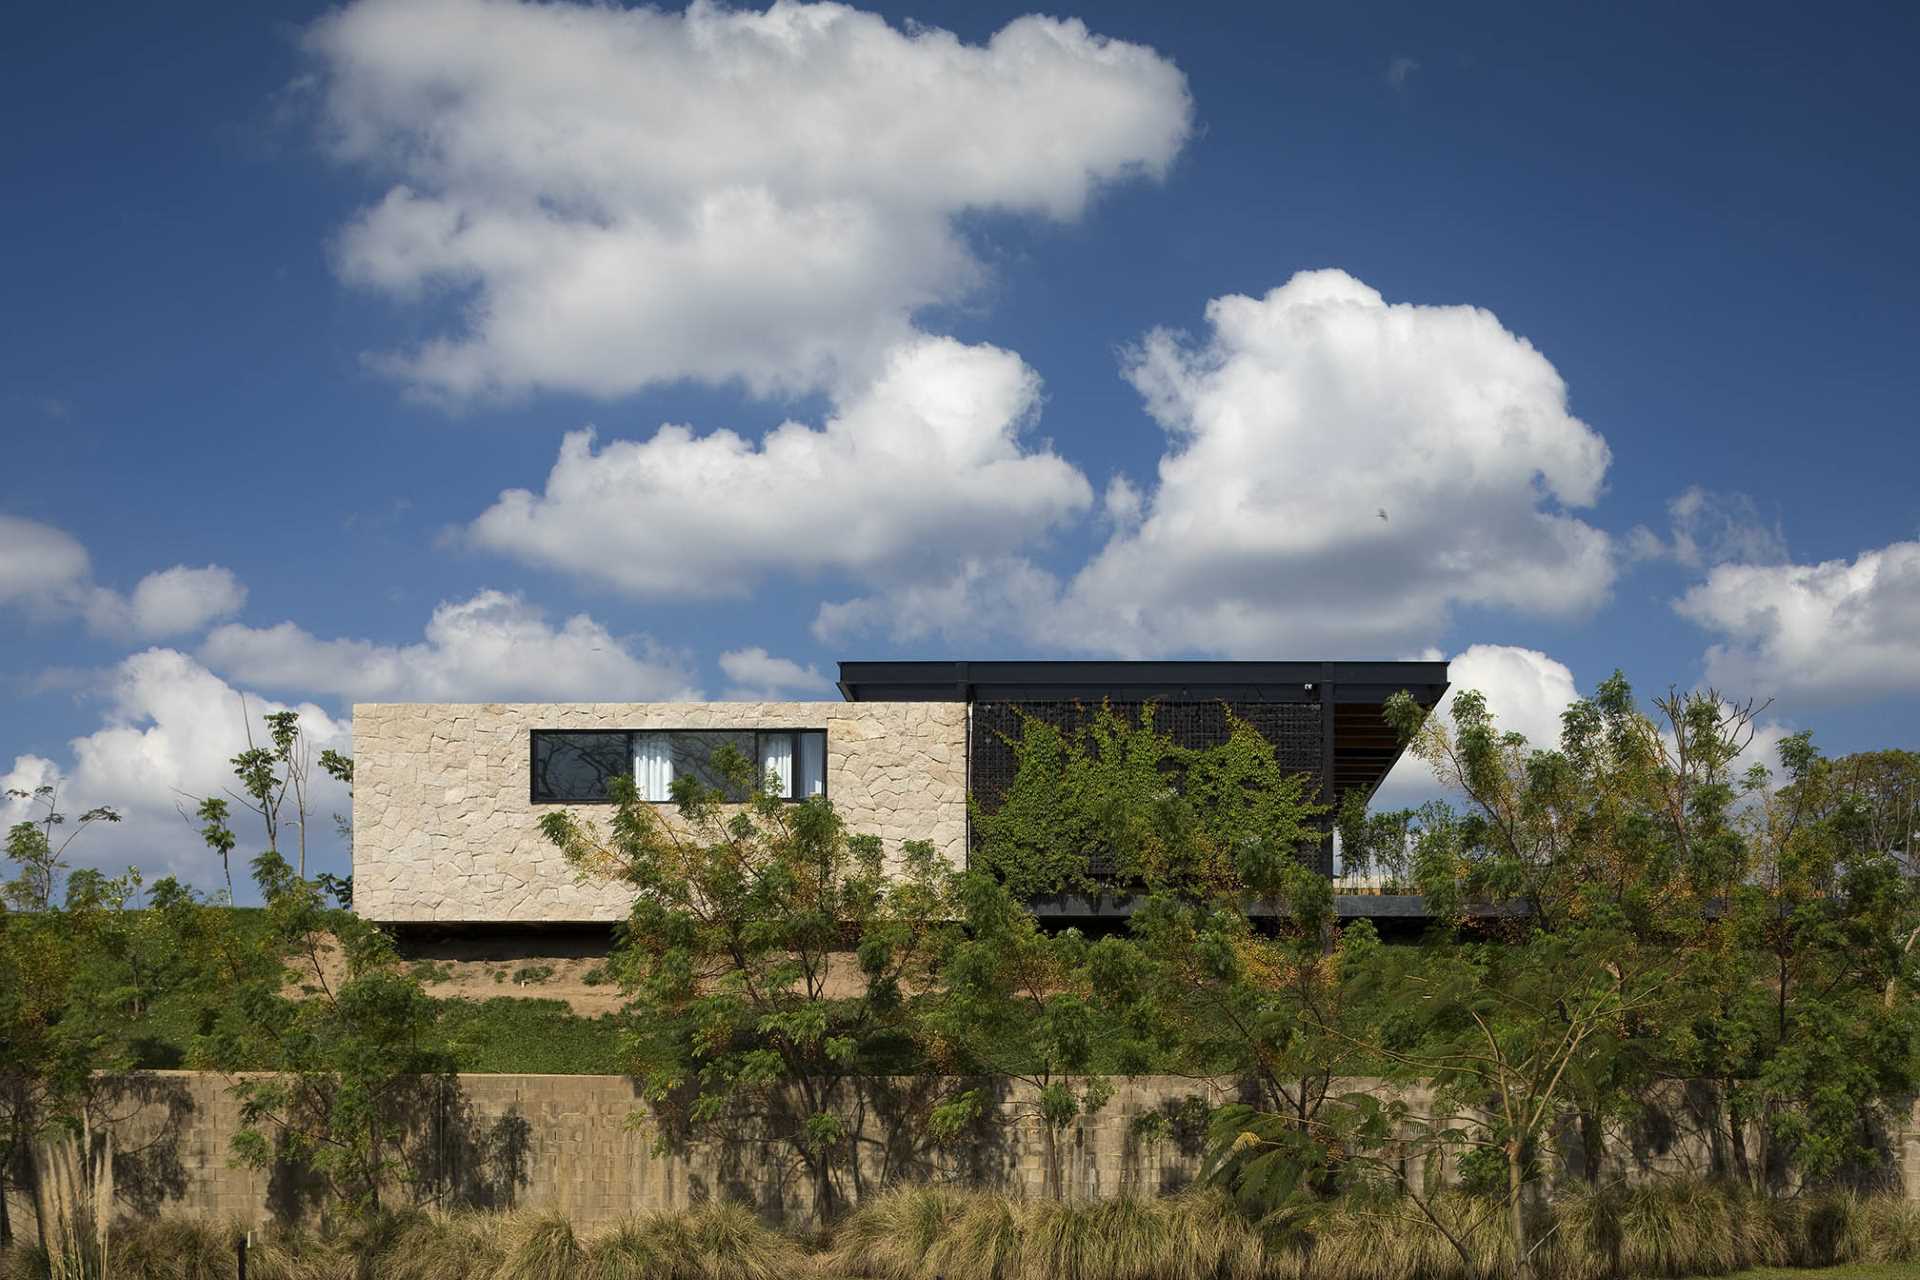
{"points": [[443, 829], [571, 1144]]}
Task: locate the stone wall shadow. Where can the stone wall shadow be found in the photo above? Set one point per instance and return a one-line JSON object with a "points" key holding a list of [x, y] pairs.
{"points": [[150, 1116], [1176, 1123], [294, 1191], [456, 1157]]}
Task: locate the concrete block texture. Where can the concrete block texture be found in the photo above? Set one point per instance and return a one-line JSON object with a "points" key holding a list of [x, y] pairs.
{"points": [[444, 830], [588, 1147]]}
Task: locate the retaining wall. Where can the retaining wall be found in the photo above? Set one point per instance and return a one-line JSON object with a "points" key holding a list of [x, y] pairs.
{"points": [[584, 1145]]}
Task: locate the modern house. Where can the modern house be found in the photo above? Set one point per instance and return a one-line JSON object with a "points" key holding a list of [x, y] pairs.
{"points": [[448, 796]]}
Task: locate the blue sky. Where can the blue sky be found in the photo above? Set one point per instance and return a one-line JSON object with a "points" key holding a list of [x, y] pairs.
{"points": [[1621, 342]]}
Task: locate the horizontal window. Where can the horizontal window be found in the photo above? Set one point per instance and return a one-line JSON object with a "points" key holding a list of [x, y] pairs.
{"points": [[572, 766]]}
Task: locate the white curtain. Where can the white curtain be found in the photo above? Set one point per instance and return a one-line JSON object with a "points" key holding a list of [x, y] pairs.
{"points": [[776, 763], [653, 766], [813, 765]]}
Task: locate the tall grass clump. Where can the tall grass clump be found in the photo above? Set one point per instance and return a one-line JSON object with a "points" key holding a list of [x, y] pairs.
{"points": [[73, 1197], [1657, 1230], [711, 1242], [1893, 1227], [539, 1246], [922, 1233], [1387, 1238], [1825, 1229], [187, 1248]]}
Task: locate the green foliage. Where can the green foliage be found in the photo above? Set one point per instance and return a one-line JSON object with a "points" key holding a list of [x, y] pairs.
{"points": [[1191, 821], [733, 955], [318, 999], [1030, 1006], [37, 848], [76, 977], [529, 1036], [1622, 909], [1815, 1029]]}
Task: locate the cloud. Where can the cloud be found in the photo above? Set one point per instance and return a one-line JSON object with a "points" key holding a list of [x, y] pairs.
{"points": [[172, 602], [1840, 630], [1341, 474], [623, 196], [29, 774], [1711, 528], [168, 734], [978, 601], [1400, 70], [1527, 692], [758, 676], [48, 572], [492, 647], [1122, 505], [41, 568], [926, 462]]}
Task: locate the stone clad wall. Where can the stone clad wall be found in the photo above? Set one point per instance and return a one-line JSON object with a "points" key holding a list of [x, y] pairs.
{"points": [[443, 829]]}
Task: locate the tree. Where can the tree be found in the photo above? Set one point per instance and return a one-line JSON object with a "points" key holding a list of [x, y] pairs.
{"points": [[271, 775], [39, 858], [317, 997], [1572, 896], [76, 972], [1227, 961], [1054, 1012], [732, 958], [318, 1000], [1816, 1030]]}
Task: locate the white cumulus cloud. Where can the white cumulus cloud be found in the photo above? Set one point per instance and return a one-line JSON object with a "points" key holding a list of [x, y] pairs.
{"points": [[1341, 474], [172, 602], [47, 572], [41, 568], [167, 736], [1839, 630], [493, 647], [758, 676], [1526, 690], [927, 460], [624, 196]]}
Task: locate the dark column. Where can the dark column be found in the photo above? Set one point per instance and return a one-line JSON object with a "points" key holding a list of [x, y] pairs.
{"points": [[1326, 763]]}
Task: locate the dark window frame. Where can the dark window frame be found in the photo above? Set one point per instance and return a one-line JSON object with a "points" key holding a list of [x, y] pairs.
{"points": [[759, 753]]}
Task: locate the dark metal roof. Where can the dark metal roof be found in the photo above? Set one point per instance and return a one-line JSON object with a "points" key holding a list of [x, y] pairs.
{"points": [[1363, 745], [944, 681]]}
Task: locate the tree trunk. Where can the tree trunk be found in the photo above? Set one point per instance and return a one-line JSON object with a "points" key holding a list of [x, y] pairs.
{"points": [[1738, 1137], [1517, 1210], [1593, 1141], [823, 1197], [1050, 1158]]}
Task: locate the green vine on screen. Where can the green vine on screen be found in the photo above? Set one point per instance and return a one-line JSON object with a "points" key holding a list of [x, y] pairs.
{"points": [[1124, 797]]}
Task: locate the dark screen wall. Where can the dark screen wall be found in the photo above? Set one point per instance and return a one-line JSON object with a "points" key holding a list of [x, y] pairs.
{"points": [[1294, 729]]}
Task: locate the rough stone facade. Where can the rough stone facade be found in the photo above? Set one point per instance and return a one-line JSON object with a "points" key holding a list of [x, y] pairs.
{"points": [[443, 829]]}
